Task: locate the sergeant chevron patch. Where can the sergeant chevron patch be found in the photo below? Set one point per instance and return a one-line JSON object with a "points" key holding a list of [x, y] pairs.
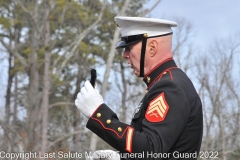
{"points": [[157, 109]]}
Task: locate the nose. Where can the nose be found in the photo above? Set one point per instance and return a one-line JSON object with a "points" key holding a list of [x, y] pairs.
{"points": [[125, 54]]}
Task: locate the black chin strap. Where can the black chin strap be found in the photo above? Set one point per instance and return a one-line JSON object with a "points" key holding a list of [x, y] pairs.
{"points": [[143, 50]]}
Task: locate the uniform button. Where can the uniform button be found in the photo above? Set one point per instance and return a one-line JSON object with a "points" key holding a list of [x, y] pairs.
{"points": [[146, 91], [164, 72], [98, 115], [119, 129], [148, 79], [108, 121]]}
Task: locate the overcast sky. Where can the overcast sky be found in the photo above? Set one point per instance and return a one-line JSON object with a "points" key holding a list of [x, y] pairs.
{"points": [[211, 18]]}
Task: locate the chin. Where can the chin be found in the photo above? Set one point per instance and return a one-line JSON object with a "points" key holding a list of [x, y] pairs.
{"points": [[137, 74]]}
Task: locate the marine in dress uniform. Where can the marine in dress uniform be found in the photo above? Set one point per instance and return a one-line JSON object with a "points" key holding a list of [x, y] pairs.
{"points": [[168, 122]]}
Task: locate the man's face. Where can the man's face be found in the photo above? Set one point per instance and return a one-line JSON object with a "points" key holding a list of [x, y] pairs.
{"points": [[132, 53]]}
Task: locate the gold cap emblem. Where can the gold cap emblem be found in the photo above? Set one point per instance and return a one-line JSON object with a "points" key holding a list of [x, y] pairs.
{"points": [[108, 121], [98, 115]]}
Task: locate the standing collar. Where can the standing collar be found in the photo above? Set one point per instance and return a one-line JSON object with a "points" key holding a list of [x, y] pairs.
{"points": [[159, 69]]}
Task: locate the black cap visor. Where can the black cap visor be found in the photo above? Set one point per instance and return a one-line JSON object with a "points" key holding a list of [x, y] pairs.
{"points": [[129, 40], [123, 44]]}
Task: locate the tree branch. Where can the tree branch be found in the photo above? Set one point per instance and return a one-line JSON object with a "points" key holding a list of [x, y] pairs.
{"points": [[25, 9], [64, 137], [15, 53], [60, 103], [5, 127], [149, 10], [80, 38]]}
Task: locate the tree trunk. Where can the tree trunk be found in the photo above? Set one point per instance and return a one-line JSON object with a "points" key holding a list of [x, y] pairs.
{"points": [[33, 97], [46, 81], [111, 54], [14, 121], [7, 105], [76, 123]]}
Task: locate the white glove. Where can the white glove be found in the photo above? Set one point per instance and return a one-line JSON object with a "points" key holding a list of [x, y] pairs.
{"points": [[88, 99], [104, 155]]}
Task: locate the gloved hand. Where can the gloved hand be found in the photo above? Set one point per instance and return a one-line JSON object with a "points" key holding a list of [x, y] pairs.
{"points": [[88, 99], [104, 155]]}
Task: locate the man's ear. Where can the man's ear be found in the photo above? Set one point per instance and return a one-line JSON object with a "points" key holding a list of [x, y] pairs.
{"points": [[153, 48]]}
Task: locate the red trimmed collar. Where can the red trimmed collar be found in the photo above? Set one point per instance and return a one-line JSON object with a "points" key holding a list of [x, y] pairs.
{"points": [[159, 69]]}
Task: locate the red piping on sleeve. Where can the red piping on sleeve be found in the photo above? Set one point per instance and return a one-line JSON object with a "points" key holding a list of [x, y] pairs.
{"points": [[119, 136]]}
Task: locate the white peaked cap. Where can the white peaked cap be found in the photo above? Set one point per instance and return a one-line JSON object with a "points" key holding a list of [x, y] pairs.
{"points": [[140, 25], [135, 29]]}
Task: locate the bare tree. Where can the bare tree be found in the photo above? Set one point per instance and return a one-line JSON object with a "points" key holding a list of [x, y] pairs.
{"points": [[30, 45], [219, 91], [182, 43]]}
